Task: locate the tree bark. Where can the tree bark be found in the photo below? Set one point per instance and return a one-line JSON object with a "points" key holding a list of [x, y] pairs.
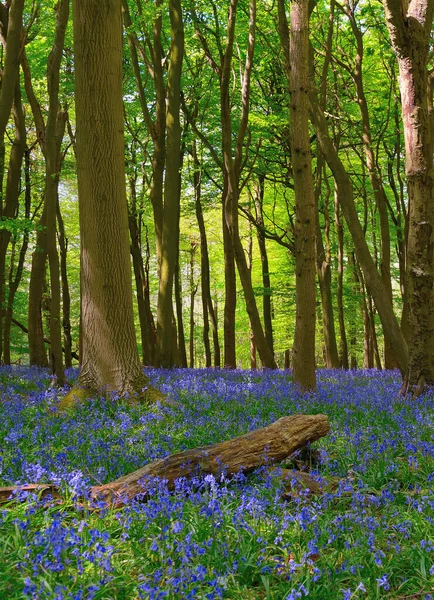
{"points": [[410, 29], [54, 131], [110, 359], [304, 338], [165, 351], [265, 446], [266, 280], [66, 297]]}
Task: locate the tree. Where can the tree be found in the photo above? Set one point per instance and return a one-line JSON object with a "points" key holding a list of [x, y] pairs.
{"points": [[305, 224], [110, 359], [410, 29]]}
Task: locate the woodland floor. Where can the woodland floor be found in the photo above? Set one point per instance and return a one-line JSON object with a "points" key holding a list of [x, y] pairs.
{"points": [[249, 538]]}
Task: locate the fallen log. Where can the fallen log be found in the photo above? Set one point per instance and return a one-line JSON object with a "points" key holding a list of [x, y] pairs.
{"points": [[41, 490], [266, 446]]}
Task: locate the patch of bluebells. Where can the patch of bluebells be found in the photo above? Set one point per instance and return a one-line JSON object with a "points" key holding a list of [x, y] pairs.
{"points": [[368, 535]]}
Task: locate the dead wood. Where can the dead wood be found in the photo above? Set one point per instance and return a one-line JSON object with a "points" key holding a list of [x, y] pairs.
{"points": [[268, 445]]}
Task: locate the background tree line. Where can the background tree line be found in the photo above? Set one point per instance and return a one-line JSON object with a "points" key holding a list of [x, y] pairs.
{"points": [[267, 146]]}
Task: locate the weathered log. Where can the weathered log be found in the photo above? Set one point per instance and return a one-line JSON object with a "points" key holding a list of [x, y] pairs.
{"points": [[260, 447], [11, 492]]}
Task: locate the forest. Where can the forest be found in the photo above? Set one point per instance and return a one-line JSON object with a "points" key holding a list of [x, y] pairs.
{"points": [[217, 299]]}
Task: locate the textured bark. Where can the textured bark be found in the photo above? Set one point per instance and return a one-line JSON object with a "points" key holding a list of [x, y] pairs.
{"points": [[410, 29], [304, 338], [55, 128], [110, 359], [373, 280], [260, 447], [165, 351], [9, 209], [11, 29]]}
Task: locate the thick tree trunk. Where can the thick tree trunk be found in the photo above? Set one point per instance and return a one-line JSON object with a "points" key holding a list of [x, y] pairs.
{"points": [[410, 29], [304, 339], [110, 359], [265, 446], [165, 351]]}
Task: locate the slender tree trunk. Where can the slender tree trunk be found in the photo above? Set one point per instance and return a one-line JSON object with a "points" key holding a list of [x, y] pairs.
{"points": [[325, 280], [340, 295], [166, 353], [374, 175], [207, 306], [266, 280], [180, 356], [346, 199], [193, 290], [15, 282], [66, 297], [110, 359], [146, 329], [10, 207], [233, 169], [230, 292]]}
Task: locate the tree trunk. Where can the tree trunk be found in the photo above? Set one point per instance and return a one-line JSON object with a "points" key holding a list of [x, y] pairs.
{"points": [[178, 333], [9, 209], [143, 305], [374, 174], [304, 339], [232, 166], [410, 29], [37, 353], [54, 131], [165, 352], [193, 290], [257, 448], [66, 297], [230, 360], [266, 280], [110, 359], [325, 281], [374, 283]]}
